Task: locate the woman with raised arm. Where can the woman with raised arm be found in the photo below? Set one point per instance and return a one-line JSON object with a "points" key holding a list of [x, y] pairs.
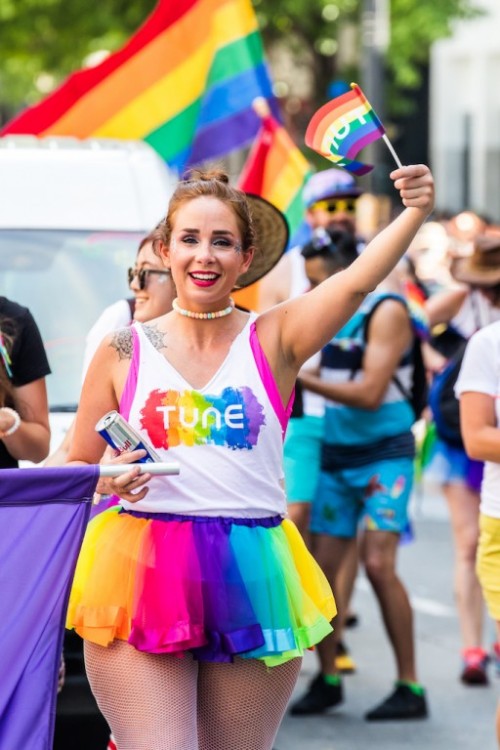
{"points": [[205, 565]]}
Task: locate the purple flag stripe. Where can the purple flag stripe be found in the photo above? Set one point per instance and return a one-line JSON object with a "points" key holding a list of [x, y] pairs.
{"points": [[43, 516], [225, 135], [356, 147]]}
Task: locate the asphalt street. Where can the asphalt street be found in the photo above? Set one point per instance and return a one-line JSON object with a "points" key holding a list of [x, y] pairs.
{"points": [[460, 717]]}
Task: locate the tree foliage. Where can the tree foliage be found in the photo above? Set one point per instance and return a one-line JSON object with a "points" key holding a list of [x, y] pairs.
{"points": [[414, 26], [44, 40], [48, 39]]}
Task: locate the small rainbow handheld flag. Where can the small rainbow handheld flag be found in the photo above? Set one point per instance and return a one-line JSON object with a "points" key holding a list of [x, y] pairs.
{"points": [[341, 128]]}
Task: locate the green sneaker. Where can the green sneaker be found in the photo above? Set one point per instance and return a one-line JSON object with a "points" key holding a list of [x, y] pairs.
{"points": [[319, 698], [403, 703]]}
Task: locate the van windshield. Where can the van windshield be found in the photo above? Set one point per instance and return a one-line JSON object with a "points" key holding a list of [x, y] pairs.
{"points": [[66, 279]]}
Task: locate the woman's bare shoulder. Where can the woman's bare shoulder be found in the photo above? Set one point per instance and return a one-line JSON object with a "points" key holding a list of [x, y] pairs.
{"points": [[119, 342]]}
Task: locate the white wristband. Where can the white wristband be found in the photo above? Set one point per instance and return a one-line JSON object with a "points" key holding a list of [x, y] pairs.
{"points": [[17, 421]]}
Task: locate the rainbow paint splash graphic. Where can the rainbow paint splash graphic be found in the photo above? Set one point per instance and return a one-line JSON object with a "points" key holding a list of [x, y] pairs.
{"points": [[232, 419]]}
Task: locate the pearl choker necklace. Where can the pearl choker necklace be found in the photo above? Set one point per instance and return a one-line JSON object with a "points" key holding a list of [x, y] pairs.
{"points": [[203, 315]]}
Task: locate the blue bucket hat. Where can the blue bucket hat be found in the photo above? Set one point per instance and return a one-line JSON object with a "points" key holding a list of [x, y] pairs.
{"points": [[330, 183]]}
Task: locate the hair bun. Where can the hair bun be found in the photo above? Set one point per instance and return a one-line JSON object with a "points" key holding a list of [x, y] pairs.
{"points": [[206, 175]]}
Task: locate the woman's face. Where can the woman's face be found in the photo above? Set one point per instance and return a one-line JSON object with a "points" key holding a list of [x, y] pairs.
{"points": [[205, 253], [156, 297]]}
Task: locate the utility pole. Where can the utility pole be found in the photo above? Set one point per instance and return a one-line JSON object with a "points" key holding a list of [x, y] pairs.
{"points": [[375, 31]]}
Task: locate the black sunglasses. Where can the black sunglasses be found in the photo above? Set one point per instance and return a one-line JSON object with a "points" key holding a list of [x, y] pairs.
{"points": [[143, 275]]}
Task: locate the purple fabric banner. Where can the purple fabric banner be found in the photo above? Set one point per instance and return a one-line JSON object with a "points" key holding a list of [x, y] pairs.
{"points": [[43, 515]]}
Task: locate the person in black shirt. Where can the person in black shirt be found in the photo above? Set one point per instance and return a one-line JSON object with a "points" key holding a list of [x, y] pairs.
{"points": [[24, 414]]}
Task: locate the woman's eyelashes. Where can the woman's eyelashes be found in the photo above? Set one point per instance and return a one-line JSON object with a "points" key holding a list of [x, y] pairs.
{"points": [[219, 243]]}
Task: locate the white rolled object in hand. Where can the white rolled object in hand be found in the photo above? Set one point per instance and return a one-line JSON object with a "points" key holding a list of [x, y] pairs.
{"points": [[116, 470], [156, 469]]}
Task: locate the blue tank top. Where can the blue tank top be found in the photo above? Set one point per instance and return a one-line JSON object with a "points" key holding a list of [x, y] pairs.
{"points": [[355, 436]]}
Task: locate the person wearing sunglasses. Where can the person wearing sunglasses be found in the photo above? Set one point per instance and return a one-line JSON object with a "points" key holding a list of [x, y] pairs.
{"points": [[366, 376], [330, 199], [337, 212], [143, 275], [153, 291]]}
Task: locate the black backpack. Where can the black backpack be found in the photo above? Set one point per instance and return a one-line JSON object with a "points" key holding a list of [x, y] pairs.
{"points": [[444, 405], [417, 395], [298, 402]]}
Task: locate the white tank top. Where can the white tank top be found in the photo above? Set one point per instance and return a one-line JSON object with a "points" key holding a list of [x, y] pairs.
{"points": [[313, 403], [475, 313], [227, 436]]}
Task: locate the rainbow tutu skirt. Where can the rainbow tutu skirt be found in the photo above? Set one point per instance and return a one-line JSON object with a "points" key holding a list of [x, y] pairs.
{"points": [[215, 587]]}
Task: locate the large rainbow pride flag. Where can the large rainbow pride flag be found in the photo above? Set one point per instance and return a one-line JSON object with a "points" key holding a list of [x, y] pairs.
{"points": [[342, 127], [184, 83]]}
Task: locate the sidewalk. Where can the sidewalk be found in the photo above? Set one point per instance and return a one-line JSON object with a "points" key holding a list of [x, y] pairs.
{"points": [[462, 718]]}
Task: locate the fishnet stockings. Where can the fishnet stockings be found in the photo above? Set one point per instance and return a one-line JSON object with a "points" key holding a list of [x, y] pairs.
{"points": [[147, 699], [161, 702], [241, 705]]}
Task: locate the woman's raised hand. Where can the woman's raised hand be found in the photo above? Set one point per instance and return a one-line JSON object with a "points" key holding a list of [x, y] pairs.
{"points": [[416, 186]]}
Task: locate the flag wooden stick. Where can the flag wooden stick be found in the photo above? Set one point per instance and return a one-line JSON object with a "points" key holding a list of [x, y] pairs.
{"points": [[391, 149]]}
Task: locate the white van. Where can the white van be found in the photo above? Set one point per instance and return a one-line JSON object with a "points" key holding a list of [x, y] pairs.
{"points": [[72, 214]]}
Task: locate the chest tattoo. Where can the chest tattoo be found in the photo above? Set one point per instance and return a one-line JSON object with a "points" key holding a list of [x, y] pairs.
{"points": [[156, 337]]}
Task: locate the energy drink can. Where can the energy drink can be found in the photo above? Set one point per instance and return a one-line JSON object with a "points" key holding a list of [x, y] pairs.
{"points": [[122, 437]]}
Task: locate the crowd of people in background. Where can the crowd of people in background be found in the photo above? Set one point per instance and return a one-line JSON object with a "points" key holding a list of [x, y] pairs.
{"points": [[353, 444]]}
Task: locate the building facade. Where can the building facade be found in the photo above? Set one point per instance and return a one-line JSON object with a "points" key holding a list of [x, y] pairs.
{"points": [[465, 115]]}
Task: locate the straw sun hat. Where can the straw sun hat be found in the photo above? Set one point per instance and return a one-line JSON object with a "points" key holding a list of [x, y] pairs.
{"points": [[482, 267], [271, 239]]}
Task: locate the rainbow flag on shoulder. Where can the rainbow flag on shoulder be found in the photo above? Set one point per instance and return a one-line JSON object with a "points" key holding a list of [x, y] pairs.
{"points": [[340, 129], [184, 83], [277, 170]]}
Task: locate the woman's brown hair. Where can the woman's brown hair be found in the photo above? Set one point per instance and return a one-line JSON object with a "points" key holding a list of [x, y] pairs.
{"points": [[211, 184]]}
